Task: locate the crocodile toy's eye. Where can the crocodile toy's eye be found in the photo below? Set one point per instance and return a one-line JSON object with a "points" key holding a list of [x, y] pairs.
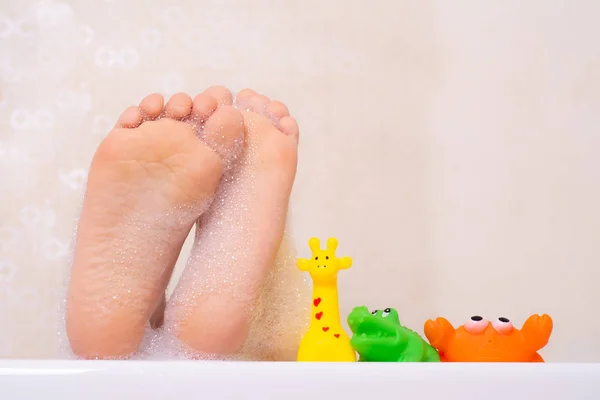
{"points": [[503, 325], [386, 312], [374, 312], [476, 324]]}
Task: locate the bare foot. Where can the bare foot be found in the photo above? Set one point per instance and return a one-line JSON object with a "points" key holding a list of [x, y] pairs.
{"points": [[238, 237], [150, 179]]}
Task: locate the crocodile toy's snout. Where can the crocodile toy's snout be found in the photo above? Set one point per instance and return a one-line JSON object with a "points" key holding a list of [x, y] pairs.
{"points": [[379, 336], [357, 317], [378, 323], [373, 331]]}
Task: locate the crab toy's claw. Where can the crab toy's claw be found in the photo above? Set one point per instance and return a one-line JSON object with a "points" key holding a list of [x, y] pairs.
{"points": [[537, 330], [438, 332]]}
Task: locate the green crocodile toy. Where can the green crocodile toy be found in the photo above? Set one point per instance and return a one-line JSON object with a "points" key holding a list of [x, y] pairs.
{"points": [[378, 336]]}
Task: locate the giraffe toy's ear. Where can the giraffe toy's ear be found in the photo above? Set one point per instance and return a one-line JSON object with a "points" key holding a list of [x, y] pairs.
{"points": [[314, 244], [332, 244]]}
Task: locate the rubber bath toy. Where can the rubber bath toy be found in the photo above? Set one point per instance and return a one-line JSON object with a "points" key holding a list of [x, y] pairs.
{"points": [[479, 340], [379, 336], [325, 340]]}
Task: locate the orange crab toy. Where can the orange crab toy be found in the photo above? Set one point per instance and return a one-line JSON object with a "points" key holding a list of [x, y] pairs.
{"points": [[478, 340]]}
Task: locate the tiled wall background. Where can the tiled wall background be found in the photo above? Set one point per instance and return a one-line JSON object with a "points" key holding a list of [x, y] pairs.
{"points": [[452, 147]]}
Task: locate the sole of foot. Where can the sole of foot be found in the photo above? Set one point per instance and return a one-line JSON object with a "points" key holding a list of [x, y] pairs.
{"points": [[150, 179], [237, 239]]}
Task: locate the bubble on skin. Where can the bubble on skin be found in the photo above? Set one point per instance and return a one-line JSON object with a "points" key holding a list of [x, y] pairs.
{"points": [[279, 319], [276, 333], [64, 350], [284, 294], [280, 315], [126, 262], [229, 152]]}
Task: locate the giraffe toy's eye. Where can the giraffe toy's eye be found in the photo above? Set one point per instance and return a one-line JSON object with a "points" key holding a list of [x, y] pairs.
{"points": [[316, 258], [374, 312], [327, 257], [386, 312]]}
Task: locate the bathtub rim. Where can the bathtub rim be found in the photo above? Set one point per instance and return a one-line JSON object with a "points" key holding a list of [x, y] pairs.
{"points": [[70, 379]]}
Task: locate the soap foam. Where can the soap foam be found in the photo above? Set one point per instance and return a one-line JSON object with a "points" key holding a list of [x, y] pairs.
{"points": [[282, 312], [278, 318], [223, 263], [230, 152]]}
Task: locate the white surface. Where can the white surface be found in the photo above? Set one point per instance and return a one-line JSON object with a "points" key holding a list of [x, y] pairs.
{"points": [[90, 380]]}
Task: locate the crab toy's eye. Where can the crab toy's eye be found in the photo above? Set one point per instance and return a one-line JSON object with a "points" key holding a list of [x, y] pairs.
{"points": [[374, 312], [503, 325], [386, 312], [476, 324]]}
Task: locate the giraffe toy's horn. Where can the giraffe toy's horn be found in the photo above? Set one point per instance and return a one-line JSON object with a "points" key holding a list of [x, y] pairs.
{"points": [[332, 244], [314, 244]]}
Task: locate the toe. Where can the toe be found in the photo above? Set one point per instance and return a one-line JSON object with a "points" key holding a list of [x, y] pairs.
{"points": [[244, 94], [223, 95], [203, 106], [151, 106], [277, 110], [289, 126], [257, 103], [179, 106], [131, 118], [224, 132]]}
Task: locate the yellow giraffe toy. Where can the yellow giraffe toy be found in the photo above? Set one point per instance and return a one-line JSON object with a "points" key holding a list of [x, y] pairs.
{"points": [[325, 339]]}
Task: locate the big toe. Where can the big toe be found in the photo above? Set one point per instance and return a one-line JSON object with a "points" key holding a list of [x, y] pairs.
{"points": [[221, 94], [224, 132]]}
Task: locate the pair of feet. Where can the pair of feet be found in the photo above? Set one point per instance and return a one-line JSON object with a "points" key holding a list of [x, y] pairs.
{"points": [[162, 169]]}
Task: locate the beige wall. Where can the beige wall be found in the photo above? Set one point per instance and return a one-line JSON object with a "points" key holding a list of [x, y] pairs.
{"points": [[451, 146]]}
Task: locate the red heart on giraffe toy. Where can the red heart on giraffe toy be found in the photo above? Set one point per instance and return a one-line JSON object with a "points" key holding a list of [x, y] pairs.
{"points": [[337, 335], [325, 328], [319, 315], [317, 301]]}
